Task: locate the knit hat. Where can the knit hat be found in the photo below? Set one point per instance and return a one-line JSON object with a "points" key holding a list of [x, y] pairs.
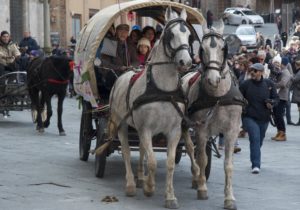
{"points": [[144, 41], [284, 61], [277, 59], [258, 67]]}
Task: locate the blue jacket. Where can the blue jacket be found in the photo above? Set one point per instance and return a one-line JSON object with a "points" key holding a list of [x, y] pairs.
{"points": [[256, 93], [30, 43]]}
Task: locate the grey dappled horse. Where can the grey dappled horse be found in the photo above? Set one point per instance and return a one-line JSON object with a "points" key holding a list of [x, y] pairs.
{"points": [[153, 104], [215, 103]]}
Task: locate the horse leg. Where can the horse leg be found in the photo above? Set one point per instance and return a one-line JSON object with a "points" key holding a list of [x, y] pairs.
{"points": [[201, 137], [38, 105], [173, 140], [189, 145], [141, 172], [47, 100], [230, 138], [149, 181], [60, 102], [130, 183]]}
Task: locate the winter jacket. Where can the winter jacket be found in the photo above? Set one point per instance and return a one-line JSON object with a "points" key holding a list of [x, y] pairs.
{"points": [[256, 93], [8, 53], [30, 43], [296, 88], [283, 84]]}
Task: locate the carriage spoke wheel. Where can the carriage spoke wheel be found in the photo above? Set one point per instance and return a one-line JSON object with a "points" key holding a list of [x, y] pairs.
{"points": [[86, 129], [100, 160]]}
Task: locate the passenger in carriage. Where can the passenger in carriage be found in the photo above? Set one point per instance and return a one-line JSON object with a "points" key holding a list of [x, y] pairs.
{"points": [[9, 52], [149, 33], [135, 35], [143, 48], [115, 62]]}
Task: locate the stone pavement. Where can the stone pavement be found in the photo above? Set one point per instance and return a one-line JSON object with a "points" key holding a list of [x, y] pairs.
{"points": [[43, 172]]}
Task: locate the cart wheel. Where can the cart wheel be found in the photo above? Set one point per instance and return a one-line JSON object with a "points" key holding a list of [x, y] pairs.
{"points": [[86, 127], [209, 154], [178, 154], [100, 160]]}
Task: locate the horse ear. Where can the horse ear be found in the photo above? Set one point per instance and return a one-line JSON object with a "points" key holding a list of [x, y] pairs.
{"points": [[168, 13], [221, 28], [204, 27], [183, 14]]}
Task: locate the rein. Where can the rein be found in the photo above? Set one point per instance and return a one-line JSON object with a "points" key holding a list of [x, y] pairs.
{"points": [[167, 36]]}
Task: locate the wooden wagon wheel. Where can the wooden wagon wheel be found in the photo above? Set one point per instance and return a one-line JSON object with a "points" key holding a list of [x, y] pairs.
{"points": [[100, 160], [86, 131]]}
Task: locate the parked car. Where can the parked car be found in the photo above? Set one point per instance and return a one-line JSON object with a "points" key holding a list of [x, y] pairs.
{"points": [[237, 16], [247, 35]]}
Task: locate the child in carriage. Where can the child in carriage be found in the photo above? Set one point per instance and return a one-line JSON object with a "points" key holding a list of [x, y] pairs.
{"points": [[143, 48]]}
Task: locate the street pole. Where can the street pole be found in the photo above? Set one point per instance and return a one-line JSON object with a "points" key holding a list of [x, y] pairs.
{"points": [[25, 16], [47, 44]]}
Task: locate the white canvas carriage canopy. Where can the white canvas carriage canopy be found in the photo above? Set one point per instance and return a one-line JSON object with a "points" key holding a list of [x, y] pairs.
{"points": [[94, 31]]}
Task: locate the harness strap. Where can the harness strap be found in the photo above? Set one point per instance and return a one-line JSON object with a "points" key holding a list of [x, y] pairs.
{"points": [[59, 82]]}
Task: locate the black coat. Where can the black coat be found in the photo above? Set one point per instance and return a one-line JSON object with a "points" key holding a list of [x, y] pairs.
{"points": [[30, 43], [256, 93]]}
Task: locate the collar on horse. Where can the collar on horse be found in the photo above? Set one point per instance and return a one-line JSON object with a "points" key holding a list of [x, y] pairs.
{"points": [[213, 44], [204, 100]]}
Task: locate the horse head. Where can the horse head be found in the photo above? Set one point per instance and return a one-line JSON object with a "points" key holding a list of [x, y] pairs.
{"points": [[213, 54], [175, 38]]}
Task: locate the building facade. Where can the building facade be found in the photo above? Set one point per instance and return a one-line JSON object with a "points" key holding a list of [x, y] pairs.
{"points": [[67, 17]]}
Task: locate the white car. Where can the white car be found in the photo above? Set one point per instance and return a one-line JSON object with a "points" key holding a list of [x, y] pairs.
{"points": [[247, 35], [237, 16]]}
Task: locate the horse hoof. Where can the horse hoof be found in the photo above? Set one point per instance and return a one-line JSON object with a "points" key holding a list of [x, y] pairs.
{"points": [[194, 185], [130, 191], [62, 133], [171, 204], [230, 204], [139, 183], [46, 125], [202, 195], [148, 191]]}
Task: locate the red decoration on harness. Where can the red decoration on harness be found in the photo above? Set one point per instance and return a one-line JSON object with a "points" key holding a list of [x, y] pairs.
{"points": [[194, 78], [135, 77], [59, 82]]}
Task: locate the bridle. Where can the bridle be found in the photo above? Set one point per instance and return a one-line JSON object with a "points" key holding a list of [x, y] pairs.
{"points": [[167, 36], [213, 44]]}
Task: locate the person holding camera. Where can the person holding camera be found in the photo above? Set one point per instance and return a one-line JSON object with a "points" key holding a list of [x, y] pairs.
{"points": [[261, 95]]}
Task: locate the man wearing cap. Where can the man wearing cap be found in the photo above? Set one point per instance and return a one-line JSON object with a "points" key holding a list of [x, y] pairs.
{"points": [[261, 96], [282, 86], [8, 53]]}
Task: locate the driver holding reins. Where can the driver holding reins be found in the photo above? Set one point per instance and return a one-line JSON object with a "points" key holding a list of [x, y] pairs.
{"points": [[8, 53]]}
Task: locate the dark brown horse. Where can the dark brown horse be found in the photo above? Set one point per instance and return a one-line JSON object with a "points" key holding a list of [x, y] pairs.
{"points": [[47, 77]]}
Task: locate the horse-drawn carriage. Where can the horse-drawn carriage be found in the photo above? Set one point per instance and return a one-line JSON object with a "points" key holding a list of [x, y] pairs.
{"points": [[95, 110], [13, 92], [102, 119]]}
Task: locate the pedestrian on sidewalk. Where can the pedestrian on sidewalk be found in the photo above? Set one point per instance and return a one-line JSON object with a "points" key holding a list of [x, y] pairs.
{"points": [[283, 86], [261, 96], [296, 86]]}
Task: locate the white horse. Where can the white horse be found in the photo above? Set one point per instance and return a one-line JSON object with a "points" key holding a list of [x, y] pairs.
{"points": [[153, 104], [215, 103]]}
